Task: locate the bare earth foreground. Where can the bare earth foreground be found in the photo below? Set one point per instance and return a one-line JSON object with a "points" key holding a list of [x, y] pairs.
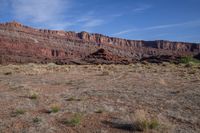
{"points": [[99, 98]]}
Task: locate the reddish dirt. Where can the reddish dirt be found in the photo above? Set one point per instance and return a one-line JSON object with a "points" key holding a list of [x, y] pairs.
{"points": [[104, 98]]}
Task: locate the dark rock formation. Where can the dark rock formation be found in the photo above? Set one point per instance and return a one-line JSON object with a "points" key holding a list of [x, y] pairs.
{"points": [[23, 44], [161, 58], [106, 57]]}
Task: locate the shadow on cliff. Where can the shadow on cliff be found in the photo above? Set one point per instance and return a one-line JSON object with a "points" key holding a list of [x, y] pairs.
{"points": [[161, 59]]}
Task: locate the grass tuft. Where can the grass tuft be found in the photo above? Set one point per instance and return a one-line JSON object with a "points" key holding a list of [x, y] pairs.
{"points": [[36, 120], [142, 123], [73, 99], [18, 112], [105, 73], [7, 73], [55, 108], [33, 96], [189, 60], [153, 124], [99, 111], [74, 121]]}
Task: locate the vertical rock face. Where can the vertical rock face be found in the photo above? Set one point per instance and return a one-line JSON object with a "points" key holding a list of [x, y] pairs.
{"points": [[23, 44]]}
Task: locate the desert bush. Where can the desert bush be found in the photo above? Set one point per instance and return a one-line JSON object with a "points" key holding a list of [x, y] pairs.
{"points": [[74, 121], [36, 120], [105, 73], [73, 99], [142, 123], [55, 108], [18, 112], [153, 124], [7, 73], [99, 111], [33, 96], [189, 60]]}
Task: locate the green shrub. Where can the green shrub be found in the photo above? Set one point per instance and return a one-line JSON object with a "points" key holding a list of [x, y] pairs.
{"points": [[73, 99], [99, 111], [74, 121], [143, 125], [36, 120], [188, 60], [153, 124], [18, 112], [33, 96], [55, 108]]}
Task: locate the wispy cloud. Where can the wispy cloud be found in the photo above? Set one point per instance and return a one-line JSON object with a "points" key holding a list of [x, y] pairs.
{"points": [[184, 24], [142, 8], [89, 20], [123, 32], [53, 14], [94, 23], [138, 9], [48, 12]]}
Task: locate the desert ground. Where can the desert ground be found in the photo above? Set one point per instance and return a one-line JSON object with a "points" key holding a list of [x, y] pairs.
{"points": [[100, 98]]}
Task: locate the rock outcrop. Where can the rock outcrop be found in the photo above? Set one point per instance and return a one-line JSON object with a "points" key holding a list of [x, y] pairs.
{"points": [[23, 44]]}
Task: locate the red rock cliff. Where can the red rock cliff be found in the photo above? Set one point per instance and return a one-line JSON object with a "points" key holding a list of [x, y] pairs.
{"points": [[23, 44]]}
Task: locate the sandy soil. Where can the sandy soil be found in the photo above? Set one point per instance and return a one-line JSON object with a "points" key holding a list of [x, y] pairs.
{"points": [[99, 98]]}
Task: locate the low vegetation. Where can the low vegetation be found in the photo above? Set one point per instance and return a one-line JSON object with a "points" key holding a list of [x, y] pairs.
{"points": [[189, 60], [143, 123], [33, 96], [73, 99], [7, 73], [18, 112], [36, 120], [105, 73], [49, 98], [55, 108], [99, 111], [74, 121]]}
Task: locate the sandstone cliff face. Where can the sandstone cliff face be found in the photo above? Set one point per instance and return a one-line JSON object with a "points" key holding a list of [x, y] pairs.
{"points": [[22, 44]]}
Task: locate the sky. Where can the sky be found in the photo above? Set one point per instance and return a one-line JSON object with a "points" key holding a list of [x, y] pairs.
{"points": [[175, 20]]}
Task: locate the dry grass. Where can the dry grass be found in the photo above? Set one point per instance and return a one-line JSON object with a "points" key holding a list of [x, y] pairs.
{"points": [[141, 122], [55, 108], [37, 120], [99, 111], [41, 94], [75, 120], [33, 95], [18, 112]]}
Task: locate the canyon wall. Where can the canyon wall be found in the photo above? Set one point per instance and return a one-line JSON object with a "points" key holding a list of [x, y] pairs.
{"points": [[23, 44]]}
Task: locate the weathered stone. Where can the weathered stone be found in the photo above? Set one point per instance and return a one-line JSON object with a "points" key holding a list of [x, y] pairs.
{"points": [[23, 44]]}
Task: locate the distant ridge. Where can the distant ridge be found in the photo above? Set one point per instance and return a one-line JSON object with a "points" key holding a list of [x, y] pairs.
{"points": [[23, 44]]}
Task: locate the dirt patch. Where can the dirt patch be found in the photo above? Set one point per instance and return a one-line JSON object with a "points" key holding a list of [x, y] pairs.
{"points": [[99, 98]]}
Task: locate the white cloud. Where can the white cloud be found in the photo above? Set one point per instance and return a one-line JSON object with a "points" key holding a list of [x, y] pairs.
{"points": [[48, 12], [89, 20], [142, 8], [184, 24], [93, 23], [189, 23], [122, 32], [53, 14]]}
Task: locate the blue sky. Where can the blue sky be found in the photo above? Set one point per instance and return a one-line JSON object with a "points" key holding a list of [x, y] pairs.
{"points": [[177, 20]]}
